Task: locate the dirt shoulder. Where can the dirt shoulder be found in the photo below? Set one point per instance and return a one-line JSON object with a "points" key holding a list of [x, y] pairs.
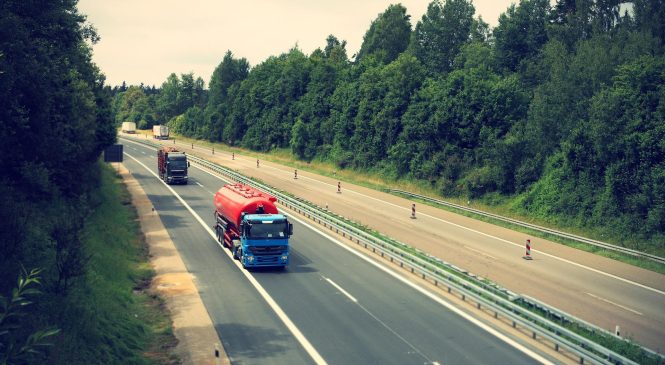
{"points": [[197, 338]]}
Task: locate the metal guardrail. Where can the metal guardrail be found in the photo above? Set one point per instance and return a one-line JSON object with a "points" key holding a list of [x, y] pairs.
{"points": [[484, 295], [573, 237]]}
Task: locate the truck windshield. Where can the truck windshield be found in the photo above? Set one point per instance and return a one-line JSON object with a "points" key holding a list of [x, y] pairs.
{"points": [[268, 231], [178, 164]]}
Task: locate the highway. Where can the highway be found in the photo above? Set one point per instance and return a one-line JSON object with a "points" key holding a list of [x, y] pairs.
{"points": [[599, 290], [330, 306]]}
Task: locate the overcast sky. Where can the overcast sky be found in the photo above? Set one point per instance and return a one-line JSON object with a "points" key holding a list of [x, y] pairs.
{"points": [[146, 40]]}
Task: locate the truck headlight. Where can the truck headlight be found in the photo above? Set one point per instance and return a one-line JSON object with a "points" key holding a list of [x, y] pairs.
{"points": [[250, 258], [284, 257]]}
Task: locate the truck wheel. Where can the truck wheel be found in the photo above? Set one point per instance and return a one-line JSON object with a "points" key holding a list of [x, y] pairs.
{"points": [[240, 257], [235, 252]]}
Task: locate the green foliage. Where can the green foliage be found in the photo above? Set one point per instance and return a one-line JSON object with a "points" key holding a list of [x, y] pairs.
{"points": [[135, 106], [539, 109], [387, 36], [521, 33], [228, 73], [105, 316], [19, 344], [442, 32]]}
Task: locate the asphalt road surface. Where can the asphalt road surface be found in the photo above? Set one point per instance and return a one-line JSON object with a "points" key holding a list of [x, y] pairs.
{"points": [[330, 305], [596, 289]]}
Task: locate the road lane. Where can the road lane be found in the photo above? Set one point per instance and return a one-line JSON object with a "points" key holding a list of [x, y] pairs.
{"points": [[361, 332], [561, 282], [252, 331]]}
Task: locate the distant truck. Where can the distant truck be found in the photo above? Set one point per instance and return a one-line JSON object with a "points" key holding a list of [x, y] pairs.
{"points": [[172, 165], [128, 127], [248, 222], [160, 132]]}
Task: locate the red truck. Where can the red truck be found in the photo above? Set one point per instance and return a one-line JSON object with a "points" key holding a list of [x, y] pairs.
{"points": [[248, 222], [172, 165]]}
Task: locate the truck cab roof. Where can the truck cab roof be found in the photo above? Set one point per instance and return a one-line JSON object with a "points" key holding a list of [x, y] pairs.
{"points": [[265, 218]]}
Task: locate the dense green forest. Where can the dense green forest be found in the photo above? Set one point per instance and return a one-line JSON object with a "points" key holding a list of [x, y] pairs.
{"points": [[558, 109], [68, 246]]}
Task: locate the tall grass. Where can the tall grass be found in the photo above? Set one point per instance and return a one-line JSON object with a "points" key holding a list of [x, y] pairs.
{"points": [[109, 317]]}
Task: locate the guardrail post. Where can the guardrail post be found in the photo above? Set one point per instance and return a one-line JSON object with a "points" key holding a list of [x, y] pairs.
{"points": [[192, 145]]}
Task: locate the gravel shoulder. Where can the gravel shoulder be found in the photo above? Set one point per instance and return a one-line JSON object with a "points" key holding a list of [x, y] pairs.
{"points": [[197, 338]]}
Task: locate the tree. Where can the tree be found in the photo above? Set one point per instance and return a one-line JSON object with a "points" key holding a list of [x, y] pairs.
{"points": [[167, 101], [229, 72], [134, 105], [521, 33], [441, 32], [387, 36], [650, 17]]}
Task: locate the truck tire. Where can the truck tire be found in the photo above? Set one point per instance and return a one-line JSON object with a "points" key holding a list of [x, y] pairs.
{"points": [[235, 252], [239, 251]]}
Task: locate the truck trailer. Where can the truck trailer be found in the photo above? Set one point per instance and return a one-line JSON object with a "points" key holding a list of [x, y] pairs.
{"points": [[249, 224], [160, 132], [172, 165], [128, 127]]}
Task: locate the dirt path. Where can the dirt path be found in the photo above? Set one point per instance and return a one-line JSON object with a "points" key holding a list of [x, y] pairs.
{"points": [[197, 338]]}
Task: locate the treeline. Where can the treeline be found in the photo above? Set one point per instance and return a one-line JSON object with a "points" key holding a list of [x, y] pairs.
{"points": [[55, 120], [560, 108]]}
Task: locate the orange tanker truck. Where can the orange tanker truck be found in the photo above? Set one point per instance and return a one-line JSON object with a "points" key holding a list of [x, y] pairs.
{"points": [[248, 222]]}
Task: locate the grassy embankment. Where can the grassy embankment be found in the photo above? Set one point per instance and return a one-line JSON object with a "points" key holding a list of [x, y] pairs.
{"points": [[111, 317], [493, 203]]}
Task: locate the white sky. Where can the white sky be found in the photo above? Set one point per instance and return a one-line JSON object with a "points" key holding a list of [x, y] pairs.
{"points": [[146, 40]]}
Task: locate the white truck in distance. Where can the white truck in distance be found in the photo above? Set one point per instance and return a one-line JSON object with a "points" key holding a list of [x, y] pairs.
{"points": [[128, 127], [160, 132]]}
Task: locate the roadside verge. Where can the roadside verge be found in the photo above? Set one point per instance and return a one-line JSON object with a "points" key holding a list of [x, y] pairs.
{"points": [[197, 338]]}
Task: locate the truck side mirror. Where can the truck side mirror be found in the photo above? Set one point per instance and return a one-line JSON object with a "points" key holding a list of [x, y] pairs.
{"points": [[188, 164], [290, 229]]}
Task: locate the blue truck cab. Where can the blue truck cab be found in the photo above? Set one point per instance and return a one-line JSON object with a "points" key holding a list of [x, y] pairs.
{"points": [[264, 240]]}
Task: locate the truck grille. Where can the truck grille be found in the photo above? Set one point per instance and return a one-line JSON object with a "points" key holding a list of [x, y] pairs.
{"points": [[267, 250]]}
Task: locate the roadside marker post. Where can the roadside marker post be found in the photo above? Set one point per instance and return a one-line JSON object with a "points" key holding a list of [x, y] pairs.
{"points": [[527, 256], [339, 187], [413, 211], [295, 174], [217, 355]]}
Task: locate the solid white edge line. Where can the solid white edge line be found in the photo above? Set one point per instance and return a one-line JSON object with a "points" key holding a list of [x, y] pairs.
{"points": [[311, 351], [480, 252], [423, 291], [615, 304], [341, 289]]}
